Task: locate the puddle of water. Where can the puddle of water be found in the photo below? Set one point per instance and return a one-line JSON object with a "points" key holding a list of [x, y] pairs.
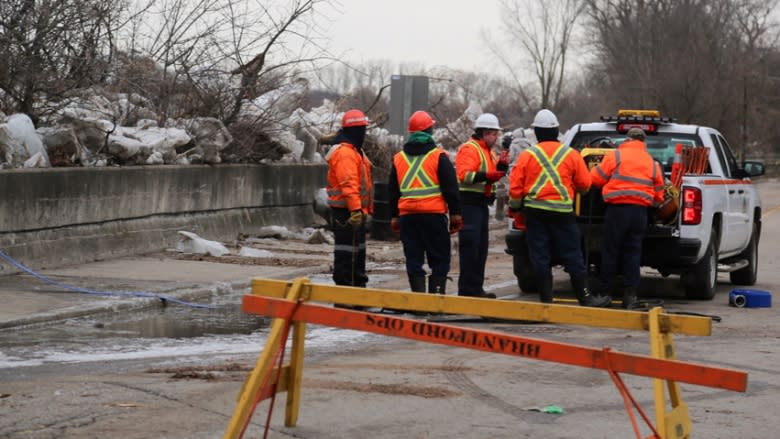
{"points": [[185, 322], [173, 331], [181, 322]]}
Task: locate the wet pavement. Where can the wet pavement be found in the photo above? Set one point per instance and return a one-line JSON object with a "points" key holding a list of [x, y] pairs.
{"points": [[99, 373]]}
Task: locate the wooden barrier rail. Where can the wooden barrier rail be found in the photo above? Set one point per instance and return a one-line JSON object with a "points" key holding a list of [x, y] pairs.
{"points": [[500, 343], [500, 309]]}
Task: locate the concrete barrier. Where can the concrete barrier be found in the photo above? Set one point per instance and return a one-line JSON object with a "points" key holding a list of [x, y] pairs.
{"points": [[62, 216]]}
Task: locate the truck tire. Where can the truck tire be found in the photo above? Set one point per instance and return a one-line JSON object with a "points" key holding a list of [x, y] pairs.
{"points": [[748, 275], [702, 281]]}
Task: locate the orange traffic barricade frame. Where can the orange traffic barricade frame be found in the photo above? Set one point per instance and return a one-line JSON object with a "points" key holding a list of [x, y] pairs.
{"points": [[287, 304]]}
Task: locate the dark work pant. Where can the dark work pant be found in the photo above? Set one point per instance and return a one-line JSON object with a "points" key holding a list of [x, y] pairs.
{"points": [[349, 255], [548, 238], [621, 244], [426, 234], [473, 249]]}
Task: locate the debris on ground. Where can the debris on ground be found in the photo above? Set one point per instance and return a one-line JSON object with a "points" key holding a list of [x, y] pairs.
{"points": [[193, 243], [250, 252], [550, 409]]}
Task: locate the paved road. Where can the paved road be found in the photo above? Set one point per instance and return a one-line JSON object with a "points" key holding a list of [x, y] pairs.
{"points": [[356, 385]]}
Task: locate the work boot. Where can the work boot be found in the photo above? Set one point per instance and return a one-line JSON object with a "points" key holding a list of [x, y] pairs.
{"points": [[546, 290], [585, 297], [417, 283], [629, 298], [437, 284]]}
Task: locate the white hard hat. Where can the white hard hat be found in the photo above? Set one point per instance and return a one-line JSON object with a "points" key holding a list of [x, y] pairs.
{"points": [[545, 119], [487, 120]]}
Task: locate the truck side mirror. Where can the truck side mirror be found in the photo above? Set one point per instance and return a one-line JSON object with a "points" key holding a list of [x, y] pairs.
{"points": [[753, 168]]}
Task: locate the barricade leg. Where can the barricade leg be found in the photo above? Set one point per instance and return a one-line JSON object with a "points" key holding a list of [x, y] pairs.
{"points": [[295, 376], [675, 424], [260, 374]]}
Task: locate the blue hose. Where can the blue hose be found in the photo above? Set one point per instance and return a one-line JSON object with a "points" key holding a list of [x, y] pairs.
{"points": [[142, 294]]}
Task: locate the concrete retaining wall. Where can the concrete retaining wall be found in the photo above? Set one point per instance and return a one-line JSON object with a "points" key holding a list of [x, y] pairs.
{"points": [[62, 216]]}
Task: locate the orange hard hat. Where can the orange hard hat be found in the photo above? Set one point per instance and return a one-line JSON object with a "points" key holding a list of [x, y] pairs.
{"points": [[420, 121], [354, 118]]}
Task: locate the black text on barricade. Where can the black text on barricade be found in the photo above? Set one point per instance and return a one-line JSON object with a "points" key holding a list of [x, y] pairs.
{"points": [[467, 338]]}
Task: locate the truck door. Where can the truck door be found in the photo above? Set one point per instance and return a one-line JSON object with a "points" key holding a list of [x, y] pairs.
{"points": [[738, 222]]}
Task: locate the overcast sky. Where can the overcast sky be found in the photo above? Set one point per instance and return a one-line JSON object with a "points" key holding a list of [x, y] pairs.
{"points": [[433, 32]]}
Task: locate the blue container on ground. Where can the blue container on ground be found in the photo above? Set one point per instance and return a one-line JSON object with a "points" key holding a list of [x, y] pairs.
{"points": [[743, 298]]}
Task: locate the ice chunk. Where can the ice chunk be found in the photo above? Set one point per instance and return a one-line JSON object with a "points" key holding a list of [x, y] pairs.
{"points": [[195, 244]]}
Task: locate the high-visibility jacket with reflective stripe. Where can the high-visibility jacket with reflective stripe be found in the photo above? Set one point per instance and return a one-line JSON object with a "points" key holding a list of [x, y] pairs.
{"points": [[629, 175], [545, 177], [349, 179], [418, 180], [474, 156]]}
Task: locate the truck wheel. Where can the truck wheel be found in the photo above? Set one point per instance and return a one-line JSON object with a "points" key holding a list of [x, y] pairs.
{"points": [[701, 282], [748, 275]]}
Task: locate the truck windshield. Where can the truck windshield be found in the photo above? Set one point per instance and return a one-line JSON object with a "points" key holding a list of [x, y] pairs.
{"points": [[661, 146]]}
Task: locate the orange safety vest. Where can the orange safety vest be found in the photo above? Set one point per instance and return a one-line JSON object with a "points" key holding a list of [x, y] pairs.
{"points": [[418, 180], [473, 157], [545, 177], [629, 175], [349, 179]]}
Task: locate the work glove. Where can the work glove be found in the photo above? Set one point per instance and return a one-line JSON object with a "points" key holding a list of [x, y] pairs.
{"points": [[518, 221], [356, 219], [504, 157], [494, 176], [503, 161], [507, 141], [456, 223], [395, 225]]}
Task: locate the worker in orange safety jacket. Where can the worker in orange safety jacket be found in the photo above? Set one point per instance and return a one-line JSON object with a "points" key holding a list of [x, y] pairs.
{"points": [[477, 169], [349, 197], [631, 181], [422, 189], [542, 185]]}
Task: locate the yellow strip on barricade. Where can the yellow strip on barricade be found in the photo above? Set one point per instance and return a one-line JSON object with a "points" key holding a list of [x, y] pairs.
{"points": [[286, 302], [500, 309]]}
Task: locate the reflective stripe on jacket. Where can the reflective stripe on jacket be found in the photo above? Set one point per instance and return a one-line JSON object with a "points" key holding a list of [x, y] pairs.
{"points": [[418, 180], [545, 177], [349, 179], [629, 175], [474, 156]]}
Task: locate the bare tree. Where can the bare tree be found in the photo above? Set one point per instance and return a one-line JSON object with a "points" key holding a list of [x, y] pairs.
{"points": [[52, 47], [284, 24], [541, 32], [212, 57], [650, 55]]}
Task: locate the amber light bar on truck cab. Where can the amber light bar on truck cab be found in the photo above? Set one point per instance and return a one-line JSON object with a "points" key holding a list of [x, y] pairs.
{"points": [[647, 120]]}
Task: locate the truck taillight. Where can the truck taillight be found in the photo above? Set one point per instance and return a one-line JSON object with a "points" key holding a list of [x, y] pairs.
{"points": [[691, 212]]}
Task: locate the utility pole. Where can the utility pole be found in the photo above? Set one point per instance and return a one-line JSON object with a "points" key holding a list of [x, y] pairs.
{"points": [[744, 118]]}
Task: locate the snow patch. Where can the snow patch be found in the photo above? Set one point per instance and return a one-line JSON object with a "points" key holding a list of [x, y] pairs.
{"points": [[250, 252]]}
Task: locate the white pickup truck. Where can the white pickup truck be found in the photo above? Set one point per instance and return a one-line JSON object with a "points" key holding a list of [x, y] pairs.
{"points": [[717, 225]]}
